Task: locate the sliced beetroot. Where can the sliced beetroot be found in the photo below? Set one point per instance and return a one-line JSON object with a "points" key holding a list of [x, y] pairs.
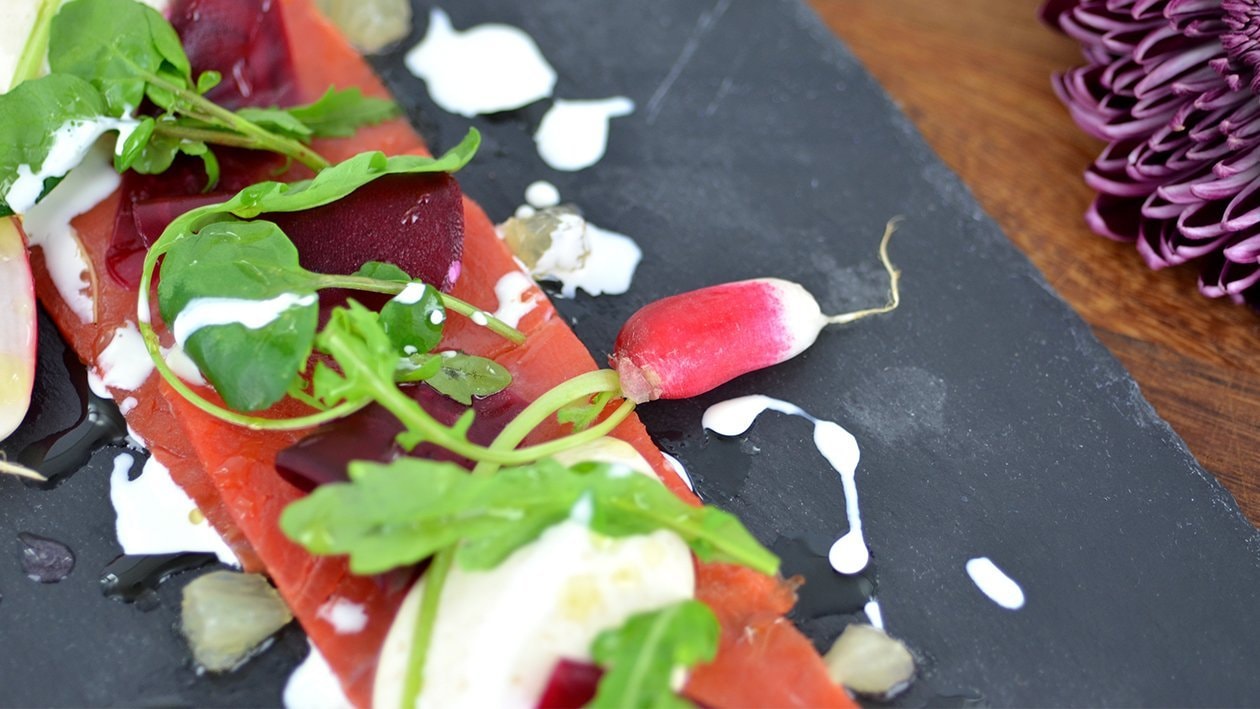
{"points": [[150, 202], [322, 457], [571, 685], [245, 41], [415, 222]]}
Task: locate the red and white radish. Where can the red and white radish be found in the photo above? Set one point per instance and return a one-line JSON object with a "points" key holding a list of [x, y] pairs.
{"points": [[17, 328], [690, 343]]}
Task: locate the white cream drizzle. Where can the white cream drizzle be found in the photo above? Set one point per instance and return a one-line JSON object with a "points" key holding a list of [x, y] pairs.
{"points": [[70, 145], [680, 470], [155, 514], [994, 583], [47, 226], [253, 314], [314, 686], [484, 69], [573, 135], [874, 613], [410, 294], [183, 366], [516, 297], [849, 554], [125, 363]]}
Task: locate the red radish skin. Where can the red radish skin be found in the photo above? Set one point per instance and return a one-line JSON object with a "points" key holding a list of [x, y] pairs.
{"points": [[691, 343], [17, 328]]}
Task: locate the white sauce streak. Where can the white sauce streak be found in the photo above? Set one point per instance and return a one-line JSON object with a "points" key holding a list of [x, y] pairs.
{"points": [[125, 363], [155, 514], [345, 616], [517, 297], [994, 583], [484, 69], [680, 470], [573, 135], [70, 145], [314, 686], [253, 314], [411, 294], [849, 553], [874, 613], [183, 366], [47, 225]]}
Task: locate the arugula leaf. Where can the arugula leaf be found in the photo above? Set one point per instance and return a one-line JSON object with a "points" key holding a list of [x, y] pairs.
{"points": [[642, 655], [462, 376], [242, 266], [110, 43], [276, 120], [35, 117], [355, 338], [414, 318], [403, 512], [338, 113]]}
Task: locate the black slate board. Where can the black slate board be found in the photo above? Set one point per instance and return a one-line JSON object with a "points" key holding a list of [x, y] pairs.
{"points": [[991, 422]]}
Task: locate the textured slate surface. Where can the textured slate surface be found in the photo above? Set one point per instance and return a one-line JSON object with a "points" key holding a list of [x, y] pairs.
{"points": [[991, 422]]}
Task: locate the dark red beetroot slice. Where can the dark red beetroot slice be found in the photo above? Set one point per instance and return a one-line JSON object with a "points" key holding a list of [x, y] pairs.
{"points": [[150, 202], [415, 222], [244, 40], [369, 435], [572, 685]]}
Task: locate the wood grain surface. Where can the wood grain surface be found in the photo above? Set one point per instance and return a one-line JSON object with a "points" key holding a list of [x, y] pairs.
{"points": [[974, 76]]}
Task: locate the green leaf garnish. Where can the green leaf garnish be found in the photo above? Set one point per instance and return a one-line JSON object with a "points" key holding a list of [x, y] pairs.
{"points": [[242, 267], [641, 656], [338, 113], [414, 318], [462, 377], [113, 44], [584, 413], [380, 271], [33, 117], [401, 513]]}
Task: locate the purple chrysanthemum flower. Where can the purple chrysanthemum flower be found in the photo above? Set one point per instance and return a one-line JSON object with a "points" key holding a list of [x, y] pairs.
{"points": [[1173, 86]]}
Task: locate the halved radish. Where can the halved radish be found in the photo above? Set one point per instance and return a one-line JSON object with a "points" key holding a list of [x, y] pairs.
{"points": [[17, 328]]}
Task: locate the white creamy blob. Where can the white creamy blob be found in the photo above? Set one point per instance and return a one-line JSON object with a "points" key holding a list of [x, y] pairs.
{"points": [[253, 314], [994, 583], [849, 554], [573, 135], [547, 601], [484, 69], [345, 616], [516, 296], [125, 363], [155, 516], [313, 685], [542, 194], [128, 405], [47, 227], [410, 294], [582, 255]]}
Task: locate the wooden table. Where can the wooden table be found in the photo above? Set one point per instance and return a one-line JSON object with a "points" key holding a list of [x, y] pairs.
{"points": [[974, 76]]}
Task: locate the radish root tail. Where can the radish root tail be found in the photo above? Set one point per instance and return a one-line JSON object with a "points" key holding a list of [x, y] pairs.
{"points": [[894, 279], [19, 470]]}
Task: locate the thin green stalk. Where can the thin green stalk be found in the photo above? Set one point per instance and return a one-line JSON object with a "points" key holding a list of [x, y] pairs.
{"points": [[31, 61], [579, 387], [204, 109], [422, 635], [208, 135], [450, 302]]}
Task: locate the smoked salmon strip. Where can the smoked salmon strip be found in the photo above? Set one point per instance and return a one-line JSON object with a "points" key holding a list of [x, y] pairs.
{"points": [[230, 473]]}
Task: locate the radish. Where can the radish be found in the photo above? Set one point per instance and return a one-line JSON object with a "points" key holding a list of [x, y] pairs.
{"points": [[693, 342], [17, 328]]}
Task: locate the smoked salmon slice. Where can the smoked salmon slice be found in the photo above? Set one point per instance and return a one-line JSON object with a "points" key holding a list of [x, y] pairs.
{"points": [[230, 471]]}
